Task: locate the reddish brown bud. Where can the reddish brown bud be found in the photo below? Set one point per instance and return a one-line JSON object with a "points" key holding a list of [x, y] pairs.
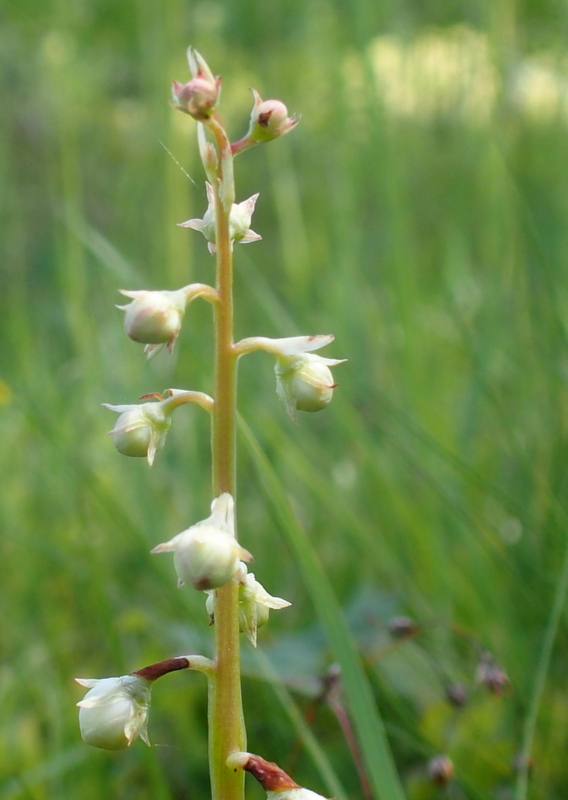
{"points": [[402, 627], [441, 770], [456, 695], [492, 676]]}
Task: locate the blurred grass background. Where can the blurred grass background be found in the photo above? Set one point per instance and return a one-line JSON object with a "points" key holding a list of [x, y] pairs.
{"points": [[419, 213]]}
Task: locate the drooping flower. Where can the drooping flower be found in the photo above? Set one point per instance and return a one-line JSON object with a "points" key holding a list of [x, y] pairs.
{"points": [[239, 221], [199, 97], [269, 119], [154, 317], [114, 711], [254, 604], [303, 381], [207, 555], [141, 428]]}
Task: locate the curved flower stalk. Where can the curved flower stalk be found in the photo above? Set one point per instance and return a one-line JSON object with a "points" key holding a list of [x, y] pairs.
{"points": [[239, 221], [141, 429], [303, 380], [254, 604], [277, 783], [207, 555], [154, 317]]}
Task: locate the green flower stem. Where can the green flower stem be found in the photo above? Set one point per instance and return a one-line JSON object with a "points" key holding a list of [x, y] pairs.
{"points": [[226, 722]]}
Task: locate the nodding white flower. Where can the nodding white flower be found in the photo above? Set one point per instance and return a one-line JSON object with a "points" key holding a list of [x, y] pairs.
{"points": [[269, 119], [305, 382], [207, 555], [254, 604], [199, 97], [154, 317], [141, 429], [114, 711], [239, 221]]}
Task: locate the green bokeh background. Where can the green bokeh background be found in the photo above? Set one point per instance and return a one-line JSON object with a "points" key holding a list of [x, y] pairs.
{"points": [[418, 213]]}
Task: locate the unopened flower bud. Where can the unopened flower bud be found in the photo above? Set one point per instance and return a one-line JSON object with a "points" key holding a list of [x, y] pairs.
{"points": [[199, 97], [239, 221], [207, 555], [441, 770], [269, 119], [114, 711]]}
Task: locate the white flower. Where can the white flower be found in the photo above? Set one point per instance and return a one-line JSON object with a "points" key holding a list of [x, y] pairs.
{"points": [[305, 382], [239, 221], [154, 318], [254, 604], [114, 711], [207, 554], [140, 430]]}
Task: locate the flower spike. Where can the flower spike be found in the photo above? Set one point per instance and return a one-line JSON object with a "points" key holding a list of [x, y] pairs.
{"points": [[239, 221], [207, 555]]}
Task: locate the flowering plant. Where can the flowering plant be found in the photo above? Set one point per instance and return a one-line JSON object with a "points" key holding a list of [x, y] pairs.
{"points": [[208, 555]]}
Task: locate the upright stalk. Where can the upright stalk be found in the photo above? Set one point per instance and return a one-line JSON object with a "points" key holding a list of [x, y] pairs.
{"points": [[226, 722]]}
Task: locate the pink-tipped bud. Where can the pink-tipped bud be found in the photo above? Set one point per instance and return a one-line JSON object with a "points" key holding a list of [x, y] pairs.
{"points": [[199, 97], [269, 119]]}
